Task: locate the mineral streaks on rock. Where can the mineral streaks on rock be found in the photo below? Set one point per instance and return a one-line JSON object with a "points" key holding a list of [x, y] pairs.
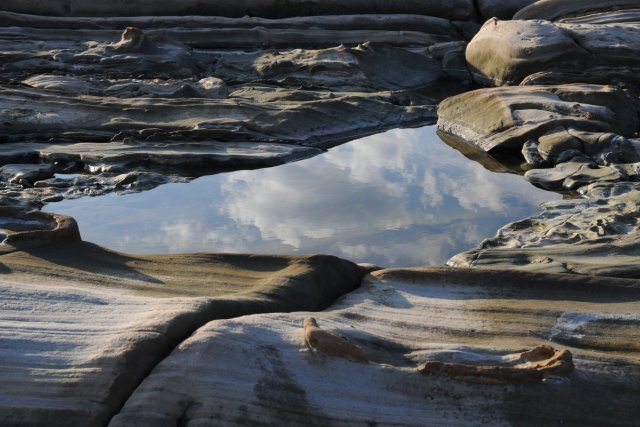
{"points": [[542, 52], [82, 326], [404, 319], [597, 235]]}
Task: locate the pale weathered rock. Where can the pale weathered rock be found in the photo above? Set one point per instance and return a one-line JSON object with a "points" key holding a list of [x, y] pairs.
{"points": [[595, 235], [542, 52], [257, 370], [82, 326]]}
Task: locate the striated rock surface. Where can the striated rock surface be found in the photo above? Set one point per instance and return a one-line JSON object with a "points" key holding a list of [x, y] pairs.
{"points": [[129, 103], [569, 10], [595, 235], [257, 369], [507, 118], [542, 52], [82, 326]]}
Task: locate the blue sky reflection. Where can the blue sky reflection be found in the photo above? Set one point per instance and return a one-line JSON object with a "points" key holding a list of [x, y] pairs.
{"points": [[401, 198]]}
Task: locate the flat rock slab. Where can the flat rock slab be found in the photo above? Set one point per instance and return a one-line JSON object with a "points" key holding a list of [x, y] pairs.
{"points": [[257, 370], [81, 326]]}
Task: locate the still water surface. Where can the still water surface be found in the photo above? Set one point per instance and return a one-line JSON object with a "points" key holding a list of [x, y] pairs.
{"points": [[401, 198]]}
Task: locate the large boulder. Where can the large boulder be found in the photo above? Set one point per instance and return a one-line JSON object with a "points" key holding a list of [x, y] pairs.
{"points": [[542, 52]]}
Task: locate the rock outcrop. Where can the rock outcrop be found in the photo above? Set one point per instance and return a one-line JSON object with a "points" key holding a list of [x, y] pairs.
{"points": [[594, 235], [82, 326], [542, 52], [257, 369], [129, 103], [507, 118]]}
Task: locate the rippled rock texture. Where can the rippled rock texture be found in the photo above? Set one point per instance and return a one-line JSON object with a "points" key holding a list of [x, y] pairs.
{"points": [[402, 319]]}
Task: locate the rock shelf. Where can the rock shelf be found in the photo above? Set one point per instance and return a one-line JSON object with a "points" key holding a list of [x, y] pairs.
{"points": [[101, 97]]}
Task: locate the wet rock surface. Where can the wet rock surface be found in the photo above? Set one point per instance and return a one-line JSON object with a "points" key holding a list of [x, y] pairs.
{"points": [[173, 98]]}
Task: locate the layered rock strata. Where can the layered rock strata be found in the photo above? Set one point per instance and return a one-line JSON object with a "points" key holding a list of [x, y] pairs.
{"points": [[595, 235], [82, 326], [403, 319], [174, 97], [579, 139]]}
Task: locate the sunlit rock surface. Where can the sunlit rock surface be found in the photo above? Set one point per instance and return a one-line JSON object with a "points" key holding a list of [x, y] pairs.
{"points": [[543, 52], [508, 117], [82, 326], [258, 370], [595, 235]]}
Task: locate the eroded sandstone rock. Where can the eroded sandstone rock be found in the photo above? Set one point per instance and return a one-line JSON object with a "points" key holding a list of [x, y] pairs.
{"points": [[21, 229], [331, 343], [456, 9], [256, 369], [597, 234], [541, 52], [506, 118], [531, 365], [82, 326]]}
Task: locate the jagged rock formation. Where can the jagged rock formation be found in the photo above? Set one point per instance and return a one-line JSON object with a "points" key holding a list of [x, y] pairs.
{"points": [[567, 137], [403, 319]]}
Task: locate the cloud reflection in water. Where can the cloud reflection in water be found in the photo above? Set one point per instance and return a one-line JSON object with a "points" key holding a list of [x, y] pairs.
{"points": [[401, 198]]}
